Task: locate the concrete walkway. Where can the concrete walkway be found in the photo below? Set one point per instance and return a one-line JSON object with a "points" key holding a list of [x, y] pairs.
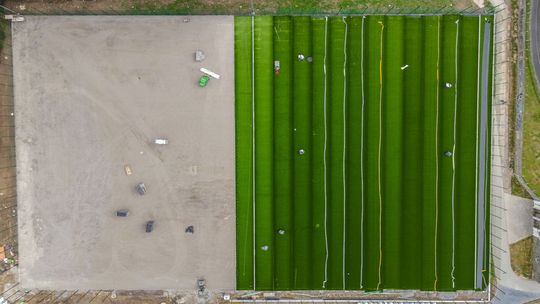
{"points": [[510, 288], [508, 278], [519, 215]]}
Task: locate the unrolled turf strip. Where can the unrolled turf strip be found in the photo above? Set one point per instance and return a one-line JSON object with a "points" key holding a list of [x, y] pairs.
{"points": [[283, 156], [244, 164], [353, 189], [411, 212], [264, 143], [302, 153], [318, 239], [431, 87]]}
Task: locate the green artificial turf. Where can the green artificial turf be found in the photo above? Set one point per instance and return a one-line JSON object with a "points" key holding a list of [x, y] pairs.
{"points": [[301, 120], [282, 152], [345, 184], [244, 163]]}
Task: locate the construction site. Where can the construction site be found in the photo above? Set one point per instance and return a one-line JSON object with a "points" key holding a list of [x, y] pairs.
{"points": [[180, 158]]}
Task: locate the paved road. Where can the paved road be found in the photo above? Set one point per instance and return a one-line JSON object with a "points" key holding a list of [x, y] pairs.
{"points": [[535, 37]]}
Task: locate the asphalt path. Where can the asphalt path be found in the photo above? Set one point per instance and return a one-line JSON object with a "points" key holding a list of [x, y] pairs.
{"points": [[482, 152], [535, 38]]}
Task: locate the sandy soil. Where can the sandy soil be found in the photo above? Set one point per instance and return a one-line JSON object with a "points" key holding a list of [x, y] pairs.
{"points": [[91, 95]]}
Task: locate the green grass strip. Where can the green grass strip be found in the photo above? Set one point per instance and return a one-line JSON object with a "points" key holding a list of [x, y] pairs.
{"points": [[354, 154], [372, 254], [466, 154], [411, 271], [317, 157], [393, 130], [244, 194], [335, 106], [302, 91], [446, 143], [264, 125], [430, 153], [283, 153]]}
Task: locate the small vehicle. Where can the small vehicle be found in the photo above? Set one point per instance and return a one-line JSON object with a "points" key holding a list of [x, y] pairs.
{"points": [[149, 226], [122, 213], [203, 81], [161, 141], [141, 188]]}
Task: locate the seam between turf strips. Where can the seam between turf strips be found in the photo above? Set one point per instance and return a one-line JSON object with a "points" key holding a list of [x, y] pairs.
{"points": [[324, 158], [454, 157], [362, 163], [437, 151], [344, 144], [379, 151], [253, 148]]}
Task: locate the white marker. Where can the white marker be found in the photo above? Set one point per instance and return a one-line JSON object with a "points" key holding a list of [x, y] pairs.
{"points": [[210, 73], [404, 67]]}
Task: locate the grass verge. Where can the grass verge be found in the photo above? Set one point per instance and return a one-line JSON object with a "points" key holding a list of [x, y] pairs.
{"points": [[520, 257], [531, 126]]}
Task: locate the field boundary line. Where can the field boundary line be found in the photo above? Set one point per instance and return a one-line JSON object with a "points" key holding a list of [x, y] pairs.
{"points": [[254, 199], [344, 146], [324, 156], [379, 151], [437, 153], [362, 164], [476, 148], [454, 158]]}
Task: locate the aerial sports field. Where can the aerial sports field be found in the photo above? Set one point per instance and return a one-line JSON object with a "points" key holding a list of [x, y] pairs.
{"points": [[363, 152]]}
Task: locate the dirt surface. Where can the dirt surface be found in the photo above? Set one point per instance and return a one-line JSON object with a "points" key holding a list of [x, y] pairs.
{"points": [[92, 93]]}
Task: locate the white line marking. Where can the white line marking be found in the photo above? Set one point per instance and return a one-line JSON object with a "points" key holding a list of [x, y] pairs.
{"points": [[476, 160], [253, 144], [324, 158], [437, 153], [344, 145], [277, 34], [379, 151], [362, 166], [454, 159]]}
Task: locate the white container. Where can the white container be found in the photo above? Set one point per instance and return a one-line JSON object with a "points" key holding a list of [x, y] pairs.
{"points": [[210, 73]]}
